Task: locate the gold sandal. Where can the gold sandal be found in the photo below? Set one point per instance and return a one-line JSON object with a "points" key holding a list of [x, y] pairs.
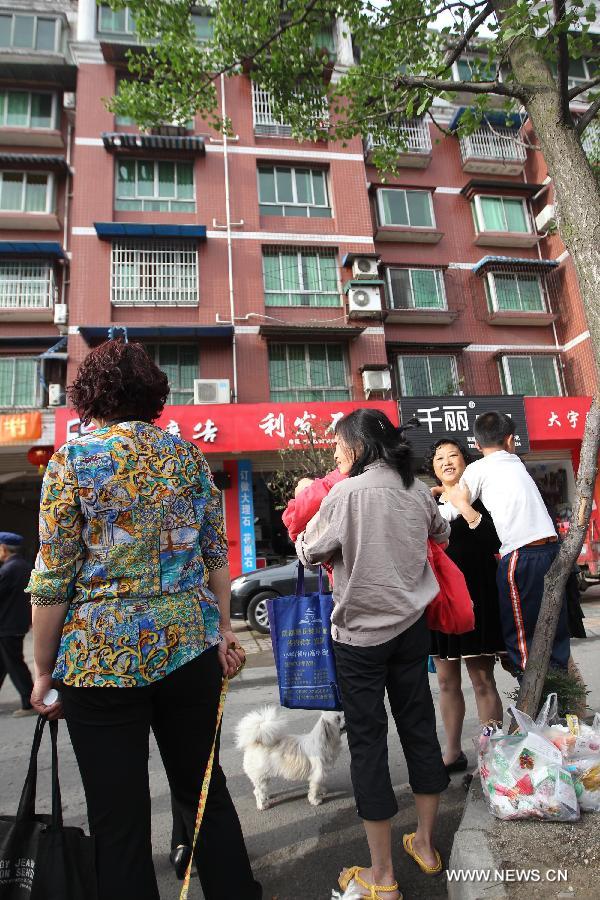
{"points": [[407, 843], [351, 874]]}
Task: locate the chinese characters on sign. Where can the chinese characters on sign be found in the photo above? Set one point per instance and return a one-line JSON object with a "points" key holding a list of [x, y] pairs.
{"points": [[572, 418], [246, 504], [20, 428]]}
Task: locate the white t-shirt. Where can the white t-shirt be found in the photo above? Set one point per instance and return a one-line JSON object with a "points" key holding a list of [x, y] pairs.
{"points": [[510, 494]]}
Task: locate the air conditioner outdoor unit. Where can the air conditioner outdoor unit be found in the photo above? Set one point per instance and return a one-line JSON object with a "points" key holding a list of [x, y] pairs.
{"points": [[211, 390], [376, 380], [56, 395], [364, 302], [61, 314], [547, 218], [69, 100], [364, 267]]}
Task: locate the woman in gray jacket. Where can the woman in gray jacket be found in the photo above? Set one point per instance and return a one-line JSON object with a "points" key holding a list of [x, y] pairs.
{"points": [[373, 527]]}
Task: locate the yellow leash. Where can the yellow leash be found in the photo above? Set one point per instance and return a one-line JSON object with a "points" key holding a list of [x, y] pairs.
{"points": [[204, 791]]}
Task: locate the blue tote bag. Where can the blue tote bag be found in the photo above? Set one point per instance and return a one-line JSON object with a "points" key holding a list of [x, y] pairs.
{"points": [[303, 648]]}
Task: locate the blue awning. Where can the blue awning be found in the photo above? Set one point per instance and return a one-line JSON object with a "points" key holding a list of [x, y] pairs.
{"points": [[497, 117], [108, 231], [31, 248], [92, 333], [489, 262]]}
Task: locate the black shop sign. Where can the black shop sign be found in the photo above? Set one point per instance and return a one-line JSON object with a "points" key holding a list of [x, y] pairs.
{"points": [[453, 417]]}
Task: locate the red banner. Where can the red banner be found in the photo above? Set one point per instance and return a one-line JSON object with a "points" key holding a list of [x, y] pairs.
{"points": [[556, 421], [20, 428], [243, 427]]}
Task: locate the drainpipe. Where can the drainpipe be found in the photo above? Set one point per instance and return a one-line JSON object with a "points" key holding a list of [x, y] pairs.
{"points": [[229, 244], [68, 198]]}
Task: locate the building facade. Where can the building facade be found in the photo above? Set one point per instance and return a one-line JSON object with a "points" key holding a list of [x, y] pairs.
{"points": [[278, 283]]}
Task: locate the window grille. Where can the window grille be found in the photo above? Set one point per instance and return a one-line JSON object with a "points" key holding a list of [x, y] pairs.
{"points": [[415, 135], [533, 376], [26, 285], [180, 363], [416, 288], [499, 144], [265, 120], [307, 372], [305, 276], [154, 273], [19, 382], [428, 376]]}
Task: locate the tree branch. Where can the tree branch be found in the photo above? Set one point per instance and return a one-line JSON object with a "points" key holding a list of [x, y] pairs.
{"points": [[469, 87], [583, 87], [587, 117], [453, 54], [562, 64]]}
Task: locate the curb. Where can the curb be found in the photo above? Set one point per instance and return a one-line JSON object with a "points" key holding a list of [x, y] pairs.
{"points": [[472, 849]]}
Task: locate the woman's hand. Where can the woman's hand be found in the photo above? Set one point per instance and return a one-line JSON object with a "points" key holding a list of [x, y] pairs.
{"points": [[459, 496], [41, 686], [302, 485], [231, 654]]}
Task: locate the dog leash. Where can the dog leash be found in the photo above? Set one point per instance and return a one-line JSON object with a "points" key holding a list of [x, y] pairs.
{"points": [[204, 791]]}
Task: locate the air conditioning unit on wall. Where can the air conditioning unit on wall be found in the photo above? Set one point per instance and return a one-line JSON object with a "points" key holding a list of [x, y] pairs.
{"points": [[364, 302], [376, 380], [364, 267], [61, 314], [547, 218], [211, 390], [56, 395]]}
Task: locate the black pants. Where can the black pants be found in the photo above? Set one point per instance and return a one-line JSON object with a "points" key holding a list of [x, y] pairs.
{"points": [[13, 664], [364, 674], [109, 730]]}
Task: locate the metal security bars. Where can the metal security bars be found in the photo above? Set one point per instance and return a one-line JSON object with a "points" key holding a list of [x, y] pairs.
{"points": [[416, 288], [415, 134], [301, 276], [499, 144], [307, 372], [264, 118], [19, 382], [532, 376], [154, 273], [26, 285]]}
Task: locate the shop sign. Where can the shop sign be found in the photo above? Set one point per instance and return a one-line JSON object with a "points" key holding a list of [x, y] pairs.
{"points": [[556, 420], [454, 417], [246, 504], [242, 428], [20, 428]]}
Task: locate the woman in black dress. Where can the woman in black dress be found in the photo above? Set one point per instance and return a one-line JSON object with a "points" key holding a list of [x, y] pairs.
{"points": [[473, 545]]}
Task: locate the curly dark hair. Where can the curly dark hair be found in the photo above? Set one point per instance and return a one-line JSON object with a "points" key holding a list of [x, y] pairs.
{"points": [[119, 381], [463, 450]]}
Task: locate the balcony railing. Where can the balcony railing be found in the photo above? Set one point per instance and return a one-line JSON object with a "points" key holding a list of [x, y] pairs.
{"points": [[26, 286], [493, 151], [265, 120], [415, 136], [590, 142]]}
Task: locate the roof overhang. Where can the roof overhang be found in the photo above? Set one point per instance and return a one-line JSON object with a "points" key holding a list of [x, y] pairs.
{"points": [[108, 231], [308, 333], [32, 248], [490, 263], [484, 185], [496, 117], [116, 141], [94, 333], [33, 161]]}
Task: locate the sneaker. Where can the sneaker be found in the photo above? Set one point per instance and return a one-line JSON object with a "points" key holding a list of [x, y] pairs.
{"points": [[21, 713]]}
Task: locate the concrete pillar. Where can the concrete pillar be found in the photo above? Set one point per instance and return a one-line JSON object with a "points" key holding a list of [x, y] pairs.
{"points": [[86, 20]]}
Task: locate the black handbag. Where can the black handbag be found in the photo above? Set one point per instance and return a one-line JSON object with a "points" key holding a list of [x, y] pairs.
{"points": [[40, 858]]}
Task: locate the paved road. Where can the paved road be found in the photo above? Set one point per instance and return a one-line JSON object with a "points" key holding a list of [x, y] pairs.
{"points": [[297, 850]]}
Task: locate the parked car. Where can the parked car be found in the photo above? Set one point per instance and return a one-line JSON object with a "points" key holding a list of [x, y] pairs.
{"points": [[250, 592]]}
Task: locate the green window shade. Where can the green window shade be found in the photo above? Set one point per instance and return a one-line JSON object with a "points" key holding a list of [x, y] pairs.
{"points": [[303, 186], [5, 28], [416, 380], [166, 180], [35, 193], [425, 289], [289, 271], [17, 109], [185, 181], [310, 272], [515, 216], [46, 34], [532, 298], [544, 373], [318, 183], [394, 208], [6, 382], [285, 192], [521, 376], [297, 370], [419, 209], [442, 375], [507, 292], [336, 365], [180, 364], [41, 111], [329, 279], [317, 355], [464, 70], [271, 273], [325, 40], [23, 31], [12, 190], [278, 377], [145, 179], [203, 26], [518, 293], [25, 382], [401, 291], [266, 186], [126, 178], [491, 211]]}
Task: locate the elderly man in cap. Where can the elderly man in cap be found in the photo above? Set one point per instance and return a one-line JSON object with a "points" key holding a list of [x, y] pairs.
{"points": [[15, 619]]}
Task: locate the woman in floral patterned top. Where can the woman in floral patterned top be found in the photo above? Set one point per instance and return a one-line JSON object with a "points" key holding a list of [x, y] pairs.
{"points": [[131, 591]]}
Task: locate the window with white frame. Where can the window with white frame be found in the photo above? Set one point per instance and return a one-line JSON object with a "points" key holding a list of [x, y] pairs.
{"points": [[26, 284], [19, 381], [399, 207], [122, 22], [580, 70], [501, 214], [180, 364], [307, 372], [154, 185], [27, 192], [507, 292], [29, 32], [293, 191], [154, 273], [469, 68], [27, 109], [533, 376], [427, 376], [416, 288], [300, 277]]}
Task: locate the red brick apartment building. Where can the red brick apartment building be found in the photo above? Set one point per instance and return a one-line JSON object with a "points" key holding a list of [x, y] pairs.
{"points": [[278, 283]]}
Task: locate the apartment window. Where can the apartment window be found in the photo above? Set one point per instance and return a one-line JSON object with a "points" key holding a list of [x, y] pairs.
{"points": [[300, 277], [160, 273], [470, 68], [29, 32], [27, 109], [533, 376], [501, 214], [180, 363], [580, 70], [287, 191], [28, 192], [427, 376], [204, 27], [155, 186], [416, 288], [307, 372], [116, 21], [508, 292], [26, 285], [399, 207], [19, 381]]}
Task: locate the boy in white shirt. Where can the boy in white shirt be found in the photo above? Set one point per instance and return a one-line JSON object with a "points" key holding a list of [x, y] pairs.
{"points": [[529, 540]]}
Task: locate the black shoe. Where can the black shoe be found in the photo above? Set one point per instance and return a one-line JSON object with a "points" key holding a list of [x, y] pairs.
{"points": [[460, 764], [179, 859]]}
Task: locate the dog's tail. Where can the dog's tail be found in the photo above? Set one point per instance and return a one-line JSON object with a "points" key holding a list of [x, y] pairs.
{"points": [[262, 726]]}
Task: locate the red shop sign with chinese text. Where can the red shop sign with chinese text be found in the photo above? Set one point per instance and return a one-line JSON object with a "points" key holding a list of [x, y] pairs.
{"points": [[242, 427], [556, 420]]}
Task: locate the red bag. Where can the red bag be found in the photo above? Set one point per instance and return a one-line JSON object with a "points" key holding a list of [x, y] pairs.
{"points": [[452, 610]]}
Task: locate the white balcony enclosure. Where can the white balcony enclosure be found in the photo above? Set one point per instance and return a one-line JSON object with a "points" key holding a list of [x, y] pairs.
{"points": [[497, 152], [417, 140], [27, 289]]}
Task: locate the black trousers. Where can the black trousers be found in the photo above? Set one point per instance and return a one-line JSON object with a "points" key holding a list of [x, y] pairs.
{"points": [[13, 664], [110, 730], [364, 674]]}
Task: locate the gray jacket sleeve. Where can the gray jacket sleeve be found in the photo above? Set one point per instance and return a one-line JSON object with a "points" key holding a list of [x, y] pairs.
{"points": [[324, 533]]}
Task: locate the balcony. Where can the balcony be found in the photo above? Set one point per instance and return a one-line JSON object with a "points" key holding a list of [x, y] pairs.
{"points": [[590, 142], [417, 141], [26, 291], [264, 119], [495, 152]]}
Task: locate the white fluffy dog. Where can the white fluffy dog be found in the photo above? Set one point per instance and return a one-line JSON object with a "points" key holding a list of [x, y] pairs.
{"points": [[270, 752]]}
